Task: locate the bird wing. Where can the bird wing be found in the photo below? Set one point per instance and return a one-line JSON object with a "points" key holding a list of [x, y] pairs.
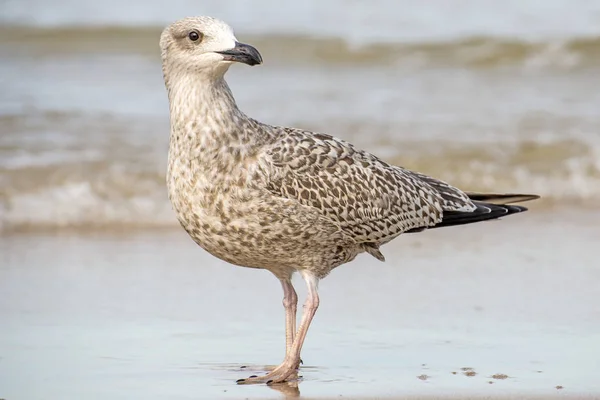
{"points": [[371, 200]]}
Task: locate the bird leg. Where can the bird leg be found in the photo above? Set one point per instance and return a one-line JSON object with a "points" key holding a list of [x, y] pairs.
{"points": [[292, 358], [290, 303]]}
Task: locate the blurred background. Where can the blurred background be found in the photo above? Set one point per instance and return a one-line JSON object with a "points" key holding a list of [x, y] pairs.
{"points": [[488, 95]]}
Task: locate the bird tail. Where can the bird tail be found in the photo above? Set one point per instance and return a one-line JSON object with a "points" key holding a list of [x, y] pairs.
{"points": [[501, 198], [488, 206]]}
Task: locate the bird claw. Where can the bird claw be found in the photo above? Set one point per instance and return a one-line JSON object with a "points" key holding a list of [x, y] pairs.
{"points": [[283, 373]]}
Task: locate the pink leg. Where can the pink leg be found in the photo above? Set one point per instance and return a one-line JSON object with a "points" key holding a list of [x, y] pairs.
{"points": [[290, 303], [292, 357]]}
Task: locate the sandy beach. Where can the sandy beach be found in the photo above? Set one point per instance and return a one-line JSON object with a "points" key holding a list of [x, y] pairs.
{"points": [[103, 296], [501, 309]]}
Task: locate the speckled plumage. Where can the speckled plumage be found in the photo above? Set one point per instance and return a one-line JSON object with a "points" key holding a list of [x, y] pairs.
{"points": [[277, 198]]}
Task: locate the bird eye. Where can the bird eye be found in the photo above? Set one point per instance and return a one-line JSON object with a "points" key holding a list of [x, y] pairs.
{"points": [[194, 36]]}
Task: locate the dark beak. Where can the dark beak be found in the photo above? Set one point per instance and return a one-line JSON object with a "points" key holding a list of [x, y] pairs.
{"points": [[243, 53]]}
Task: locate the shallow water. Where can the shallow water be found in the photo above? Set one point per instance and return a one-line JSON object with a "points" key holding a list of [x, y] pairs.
{"points": [[486, 97], [153, 316]]}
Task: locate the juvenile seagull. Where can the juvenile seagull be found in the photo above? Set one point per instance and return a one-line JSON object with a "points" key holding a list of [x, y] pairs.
{"points": [[283, 199]]}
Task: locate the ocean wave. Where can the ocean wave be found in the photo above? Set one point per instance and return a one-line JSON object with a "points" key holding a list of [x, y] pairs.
{"points": [[122, 194], [473, 52]]}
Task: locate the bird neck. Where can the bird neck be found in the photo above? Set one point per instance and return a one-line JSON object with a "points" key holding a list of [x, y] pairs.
{"points": [[208, 127], [200, 105]]}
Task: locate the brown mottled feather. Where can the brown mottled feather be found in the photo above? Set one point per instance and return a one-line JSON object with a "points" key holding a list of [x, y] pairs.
{"points": [[283, 199], [371, 200]]}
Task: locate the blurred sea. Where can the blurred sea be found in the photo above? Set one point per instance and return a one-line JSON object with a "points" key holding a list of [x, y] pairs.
{"points": [[488, 95]]}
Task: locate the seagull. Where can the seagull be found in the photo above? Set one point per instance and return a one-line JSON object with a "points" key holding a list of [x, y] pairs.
{"points": [[284, 199]]}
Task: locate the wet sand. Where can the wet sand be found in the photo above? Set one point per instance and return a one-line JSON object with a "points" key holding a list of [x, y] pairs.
{"points": [[504, 309]]}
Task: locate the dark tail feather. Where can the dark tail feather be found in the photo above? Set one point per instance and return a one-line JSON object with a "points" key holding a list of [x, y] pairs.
{"points": [[489, 206], [483, 212], [501, 198]]}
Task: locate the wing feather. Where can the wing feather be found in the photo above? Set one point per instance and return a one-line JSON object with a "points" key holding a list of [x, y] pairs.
{"points": [[369, 199]]}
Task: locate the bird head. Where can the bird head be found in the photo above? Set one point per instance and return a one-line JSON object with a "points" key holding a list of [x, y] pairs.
{"points": [[204, 45]]}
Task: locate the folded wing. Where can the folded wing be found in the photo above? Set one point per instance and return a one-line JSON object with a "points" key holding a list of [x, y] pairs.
{"points": [[371, 200]]}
